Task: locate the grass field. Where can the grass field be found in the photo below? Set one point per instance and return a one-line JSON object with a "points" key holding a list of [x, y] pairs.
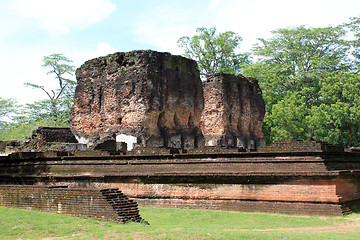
{"points": [[178, 224]]}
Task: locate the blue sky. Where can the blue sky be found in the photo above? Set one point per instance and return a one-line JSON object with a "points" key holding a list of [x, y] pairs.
{"points": [[85, 29]]}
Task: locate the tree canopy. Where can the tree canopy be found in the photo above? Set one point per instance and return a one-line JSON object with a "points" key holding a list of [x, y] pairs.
{"points": [[56, 107], [7, 106], [306, 75], [51, 111], [215, 52], [309, 78]]}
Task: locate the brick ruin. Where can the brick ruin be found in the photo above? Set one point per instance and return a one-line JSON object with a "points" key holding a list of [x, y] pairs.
{"points": [[146, 125], [300, 177], [48, 138], [156, 100], [143, 98], [234, 112]]}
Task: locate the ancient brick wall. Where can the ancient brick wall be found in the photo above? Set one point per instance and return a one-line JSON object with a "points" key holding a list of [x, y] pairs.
{"points": [[46, 138], [303, 190], [168, 165], [249, 206], [54, 134], [306, 195], [297, 146], [158, 100], [106, 205], [319, 181], [153, 97], [233, 113]]}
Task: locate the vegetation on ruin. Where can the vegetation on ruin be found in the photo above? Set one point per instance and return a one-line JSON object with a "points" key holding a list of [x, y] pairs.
{"points": [[178, 224]]}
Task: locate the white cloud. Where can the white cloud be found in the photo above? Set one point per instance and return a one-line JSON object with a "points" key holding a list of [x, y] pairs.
{"points": [[59, 17]]}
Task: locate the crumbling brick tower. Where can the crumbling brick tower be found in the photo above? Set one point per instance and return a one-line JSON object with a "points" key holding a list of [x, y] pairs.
{"points": [[233, 113], [144, 98]]}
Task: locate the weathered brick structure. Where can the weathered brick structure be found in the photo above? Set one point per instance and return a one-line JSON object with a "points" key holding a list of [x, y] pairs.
{"points": [[144, 98], [233, 113], [100, 204], [46, 138], [153, 99], [302, 177]]}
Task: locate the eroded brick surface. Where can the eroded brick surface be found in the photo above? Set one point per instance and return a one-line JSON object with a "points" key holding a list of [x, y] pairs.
{"points": [[233, 113], [155, 97]]}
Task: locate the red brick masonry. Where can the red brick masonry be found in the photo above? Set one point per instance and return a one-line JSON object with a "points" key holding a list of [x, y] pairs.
{"points": [[322, 181], [106, 204]]}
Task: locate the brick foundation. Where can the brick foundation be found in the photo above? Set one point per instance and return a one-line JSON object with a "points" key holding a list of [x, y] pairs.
{"points": [[250, 206], [106, 204], [323, 181]]}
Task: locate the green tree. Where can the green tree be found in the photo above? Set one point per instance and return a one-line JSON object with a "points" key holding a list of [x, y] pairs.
{"points": [[7, 107], [214, 52], [354, 28], [53, 111], [287, 119], [59, 101], [301, 56], [291, 68], [337, 118], [19, 131]]}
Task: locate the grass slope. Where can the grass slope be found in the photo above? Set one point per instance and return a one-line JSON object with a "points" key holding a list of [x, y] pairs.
{"points": [[178, 224]]}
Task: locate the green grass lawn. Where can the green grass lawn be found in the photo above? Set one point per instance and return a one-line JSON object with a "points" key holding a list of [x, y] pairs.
{"points": [[178, 224]]}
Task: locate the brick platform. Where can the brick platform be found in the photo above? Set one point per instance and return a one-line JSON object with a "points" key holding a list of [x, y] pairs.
{"points": [[322, 181]]}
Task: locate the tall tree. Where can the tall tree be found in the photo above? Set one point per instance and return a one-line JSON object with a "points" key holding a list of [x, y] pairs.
{"points": [[337, 118], [57, 106], [354, 27], [300, 56], [7, 107], [291, 67], [214, 52], [53, 111], [287, 120]]}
